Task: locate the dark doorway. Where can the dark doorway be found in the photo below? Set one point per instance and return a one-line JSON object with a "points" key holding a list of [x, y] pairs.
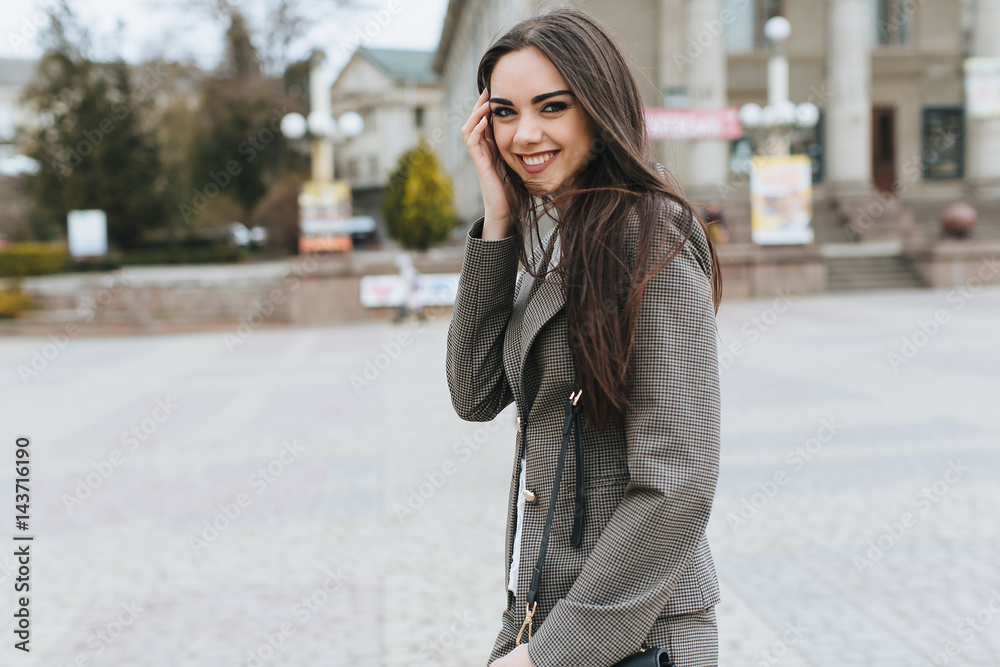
{"points": [[884, 147]]}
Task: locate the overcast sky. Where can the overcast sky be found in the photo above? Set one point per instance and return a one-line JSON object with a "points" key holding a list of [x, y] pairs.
{"points": [[158, 27]]}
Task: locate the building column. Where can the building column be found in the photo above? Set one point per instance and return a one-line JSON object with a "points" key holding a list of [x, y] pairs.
{"points": [[848, 110], [982, 167], [706, 80], [672, 76]]}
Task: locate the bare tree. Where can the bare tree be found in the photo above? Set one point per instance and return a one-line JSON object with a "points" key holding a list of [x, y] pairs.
{"points": [[282, 22]]}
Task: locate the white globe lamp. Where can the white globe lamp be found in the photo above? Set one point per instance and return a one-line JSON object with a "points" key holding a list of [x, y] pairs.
{"points": [[294, 125], [807, 114], [777, 29], [322, 124], [750, 115], [351, 124]]}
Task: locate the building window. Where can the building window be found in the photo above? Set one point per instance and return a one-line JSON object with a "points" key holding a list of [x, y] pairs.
{"points": [[418, 116], [943, 156], [744, 32], [893, 21]]}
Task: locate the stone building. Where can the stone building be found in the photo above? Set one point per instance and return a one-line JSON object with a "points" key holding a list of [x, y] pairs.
{"points": [[887, 76], [398, 94], [15, 75]]}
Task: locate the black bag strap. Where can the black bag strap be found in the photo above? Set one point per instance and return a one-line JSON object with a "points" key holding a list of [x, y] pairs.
{"points": [[653, 656], [571, 424]]}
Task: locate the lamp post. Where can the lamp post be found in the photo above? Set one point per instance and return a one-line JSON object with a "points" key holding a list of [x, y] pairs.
{"points": [[320, 125], [324, 204], [780, 184], [775, 124]]}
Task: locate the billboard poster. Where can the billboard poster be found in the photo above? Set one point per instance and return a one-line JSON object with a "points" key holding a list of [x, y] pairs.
{"points": [[435, 289], [781, 200], [982, 87], [322, 206]]}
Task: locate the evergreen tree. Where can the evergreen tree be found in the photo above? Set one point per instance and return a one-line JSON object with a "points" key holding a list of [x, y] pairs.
{"points": [[93, 149], [418, 204]]}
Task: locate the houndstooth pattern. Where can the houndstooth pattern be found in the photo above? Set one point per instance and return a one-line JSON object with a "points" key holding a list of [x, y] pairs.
{"points": [[643, 569]]}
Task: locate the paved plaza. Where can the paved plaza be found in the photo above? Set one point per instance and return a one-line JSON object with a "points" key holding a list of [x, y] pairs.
{"points": [[307, 497]]}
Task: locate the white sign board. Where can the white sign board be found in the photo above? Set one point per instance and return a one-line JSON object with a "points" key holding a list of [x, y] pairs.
{"points": [[982, 87], [435, 289], [88, 233]]}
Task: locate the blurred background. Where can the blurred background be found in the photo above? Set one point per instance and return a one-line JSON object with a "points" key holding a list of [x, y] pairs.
{"points": [[230, 237]]}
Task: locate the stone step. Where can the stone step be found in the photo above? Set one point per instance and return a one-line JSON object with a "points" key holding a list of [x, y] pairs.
{"points": [[854, 273]]}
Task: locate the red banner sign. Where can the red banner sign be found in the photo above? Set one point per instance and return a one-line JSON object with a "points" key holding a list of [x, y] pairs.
{"points": [[665, 123]]}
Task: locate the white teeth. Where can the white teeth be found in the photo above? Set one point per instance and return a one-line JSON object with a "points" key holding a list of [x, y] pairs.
{"points": [[538, 159]]}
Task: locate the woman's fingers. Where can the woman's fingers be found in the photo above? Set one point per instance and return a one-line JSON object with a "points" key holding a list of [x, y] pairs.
{"points": [[478, 142], [482, 106], [478, 119]]}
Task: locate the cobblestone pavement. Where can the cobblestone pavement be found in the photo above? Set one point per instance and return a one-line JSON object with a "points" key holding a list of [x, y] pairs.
{"points": [[306, 497]]}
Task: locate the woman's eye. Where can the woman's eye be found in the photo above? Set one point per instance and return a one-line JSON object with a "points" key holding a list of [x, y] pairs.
{"points": [[555, 106], [498, 112]]}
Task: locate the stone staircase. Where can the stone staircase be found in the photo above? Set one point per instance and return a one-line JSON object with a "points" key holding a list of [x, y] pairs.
{"points": [[869, 266]]}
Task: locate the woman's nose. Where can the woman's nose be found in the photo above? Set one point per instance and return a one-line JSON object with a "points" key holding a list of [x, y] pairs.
{"points": [[529, 131]]}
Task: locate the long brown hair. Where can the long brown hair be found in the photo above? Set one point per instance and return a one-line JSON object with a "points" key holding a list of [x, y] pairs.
{"points": [[620, 176]]}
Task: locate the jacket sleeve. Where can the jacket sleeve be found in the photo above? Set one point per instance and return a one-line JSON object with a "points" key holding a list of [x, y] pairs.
{"points": [[672, 437], [474, 359]]}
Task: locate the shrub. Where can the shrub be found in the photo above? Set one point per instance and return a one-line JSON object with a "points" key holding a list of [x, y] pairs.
{"points": [[33, 259], [418, 205], [13, 302]]}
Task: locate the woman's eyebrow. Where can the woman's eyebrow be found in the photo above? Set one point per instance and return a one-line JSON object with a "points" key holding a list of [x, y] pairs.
{"points": [[534, 100]]}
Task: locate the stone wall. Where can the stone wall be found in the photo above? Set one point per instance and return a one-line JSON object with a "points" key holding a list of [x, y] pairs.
{"points": [[326, 290]]}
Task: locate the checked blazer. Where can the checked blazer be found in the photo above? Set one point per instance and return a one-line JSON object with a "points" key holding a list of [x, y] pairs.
{"points": [[643, 561]]}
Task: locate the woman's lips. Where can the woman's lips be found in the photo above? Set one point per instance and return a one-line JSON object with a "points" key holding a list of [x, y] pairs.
{"points": [[535, 168]]}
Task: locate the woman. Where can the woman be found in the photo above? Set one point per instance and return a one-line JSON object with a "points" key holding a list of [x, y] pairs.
{"points": [[621, 295]]}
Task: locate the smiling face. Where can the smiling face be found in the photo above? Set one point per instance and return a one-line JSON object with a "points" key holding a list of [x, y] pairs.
{"points": [[541, 131]]}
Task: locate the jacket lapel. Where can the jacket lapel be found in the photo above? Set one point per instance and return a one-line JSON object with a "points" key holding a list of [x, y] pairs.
{"points": [[538, 302]]}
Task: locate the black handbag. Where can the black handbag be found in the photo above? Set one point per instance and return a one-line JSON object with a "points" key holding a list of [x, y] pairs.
{"points": [[651, 657]]}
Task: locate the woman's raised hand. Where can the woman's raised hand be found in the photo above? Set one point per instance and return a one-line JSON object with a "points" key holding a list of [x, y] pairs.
{"points": [[478, 137]]}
